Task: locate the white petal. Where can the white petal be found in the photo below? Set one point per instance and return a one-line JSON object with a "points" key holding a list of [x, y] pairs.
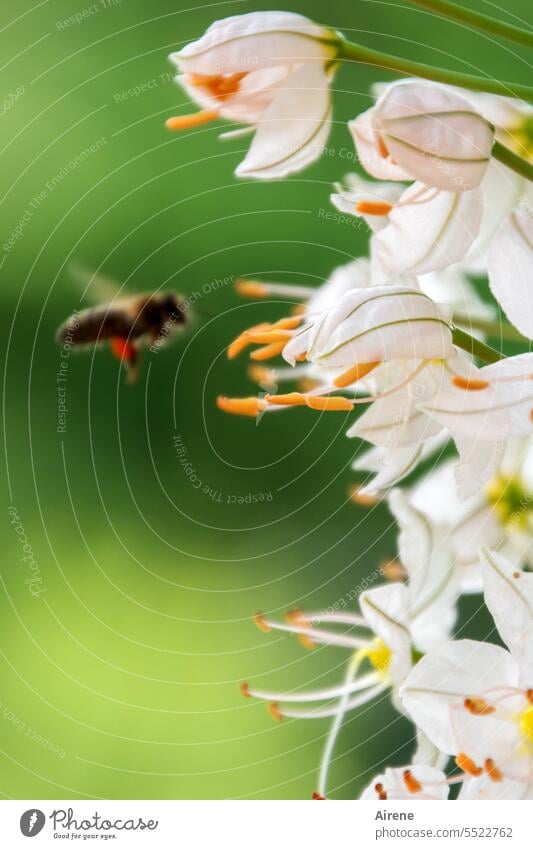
{"points": [[386, 610], [478, 462], [509, 597], [432, 583], [373, 159], [428, 754], [451, 286], [483, 788], [293, 129], [510, 260], [448, 675], [428, 230], [351, 275], [434, 134], [255, 40]]}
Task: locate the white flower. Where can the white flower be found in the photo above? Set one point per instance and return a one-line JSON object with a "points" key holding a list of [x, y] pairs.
{"points": [[397, 622], [272, 71], [375, 325], [421, 231], [499, 516], [475, 700], [424, 131], [415, 782]]}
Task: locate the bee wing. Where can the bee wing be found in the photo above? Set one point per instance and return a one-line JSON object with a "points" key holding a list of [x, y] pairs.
{"points": [[95, 286]]}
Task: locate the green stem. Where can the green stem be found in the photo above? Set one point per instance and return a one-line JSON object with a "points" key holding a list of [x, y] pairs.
{"points": [[512, 160], [358, 53], [475, 347], [494, 329], [478, 20]]}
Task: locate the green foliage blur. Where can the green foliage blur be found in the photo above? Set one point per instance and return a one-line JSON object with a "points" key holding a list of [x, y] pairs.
{"points": [[153, 525]]}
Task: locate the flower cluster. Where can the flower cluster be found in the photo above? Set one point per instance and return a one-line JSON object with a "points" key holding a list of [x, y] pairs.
{"points": [[405, 333]]}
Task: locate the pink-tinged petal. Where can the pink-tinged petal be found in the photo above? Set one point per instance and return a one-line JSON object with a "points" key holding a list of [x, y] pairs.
{"points": [[293, 129]]}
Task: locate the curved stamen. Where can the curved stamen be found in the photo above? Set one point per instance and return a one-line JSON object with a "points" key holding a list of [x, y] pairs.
{"points": [[324, 713], [318, 695], [196, 119], [315, 635], [262, 288]]}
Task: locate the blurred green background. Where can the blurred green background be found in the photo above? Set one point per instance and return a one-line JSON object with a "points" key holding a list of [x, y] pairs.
{"points": [[120, 679]]}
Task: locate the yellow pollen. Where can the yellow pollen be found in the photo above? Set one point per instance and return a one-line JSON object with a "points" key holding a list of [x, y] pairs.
{"points": [[373, 207], [241, 406], [492, 771], [379, 656], [274, 711], [267, 352], [262, 623], [362, 498], [355, 373], [196, 119], [525, 721], [469, 385], [467, 764], [251, 289], [245, 690], [478, 707], [411, 782]]}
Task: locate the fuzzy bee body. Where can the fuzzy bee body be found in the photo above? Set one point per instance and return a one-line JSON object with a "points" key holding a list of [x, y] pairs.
{"points": [[127, 323]]}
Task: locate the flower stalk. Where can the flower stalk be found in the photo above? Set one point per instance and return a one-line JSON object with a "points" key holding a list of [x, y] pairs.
{"points": [[471, 18], [475, 347], [357, 53]]}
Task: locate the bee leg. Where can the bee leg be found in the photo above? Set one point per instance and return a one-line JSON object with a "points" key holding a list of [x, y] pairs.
{"points": [[128, 354]]}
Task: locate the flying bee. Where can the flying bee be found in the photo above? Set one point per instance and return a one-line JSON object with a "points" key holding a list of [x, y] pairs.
{"points": [[127, 324]]}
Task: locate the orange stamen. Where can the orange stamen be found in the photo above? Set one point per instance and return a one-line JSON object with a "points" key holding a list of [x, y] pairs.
{"points": [[467, 764], [291, 399], [297, 618], [316, 796], [380, 790], [478, 707], [241, 406], [251, 289], [274, 711], [529, 695], [261, 374], [288, 323], [393, 570], [196, 119], [354, 374], [245, 690], [334, 403], [492, 771], [267, 352], [373, 207], [382, 147], [261, 623], [469, 385], [267, 337], [219, 86], [243, 340], [362, 498], [411, 782]]}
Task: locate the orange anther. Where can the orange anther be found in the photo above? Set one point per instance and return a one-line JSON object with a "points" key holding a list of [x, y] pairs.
{"points": [[245, 690], [291, 399], [320, 402], [467, 764], [355, 373], [492, 770], [373, 207], [262, 623], [362, 498], [186, 122], [274, 711], [241, 406], [380, 790], [267, 352], [411, 782], [478, 707], [469, 384], [251, 289]]}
